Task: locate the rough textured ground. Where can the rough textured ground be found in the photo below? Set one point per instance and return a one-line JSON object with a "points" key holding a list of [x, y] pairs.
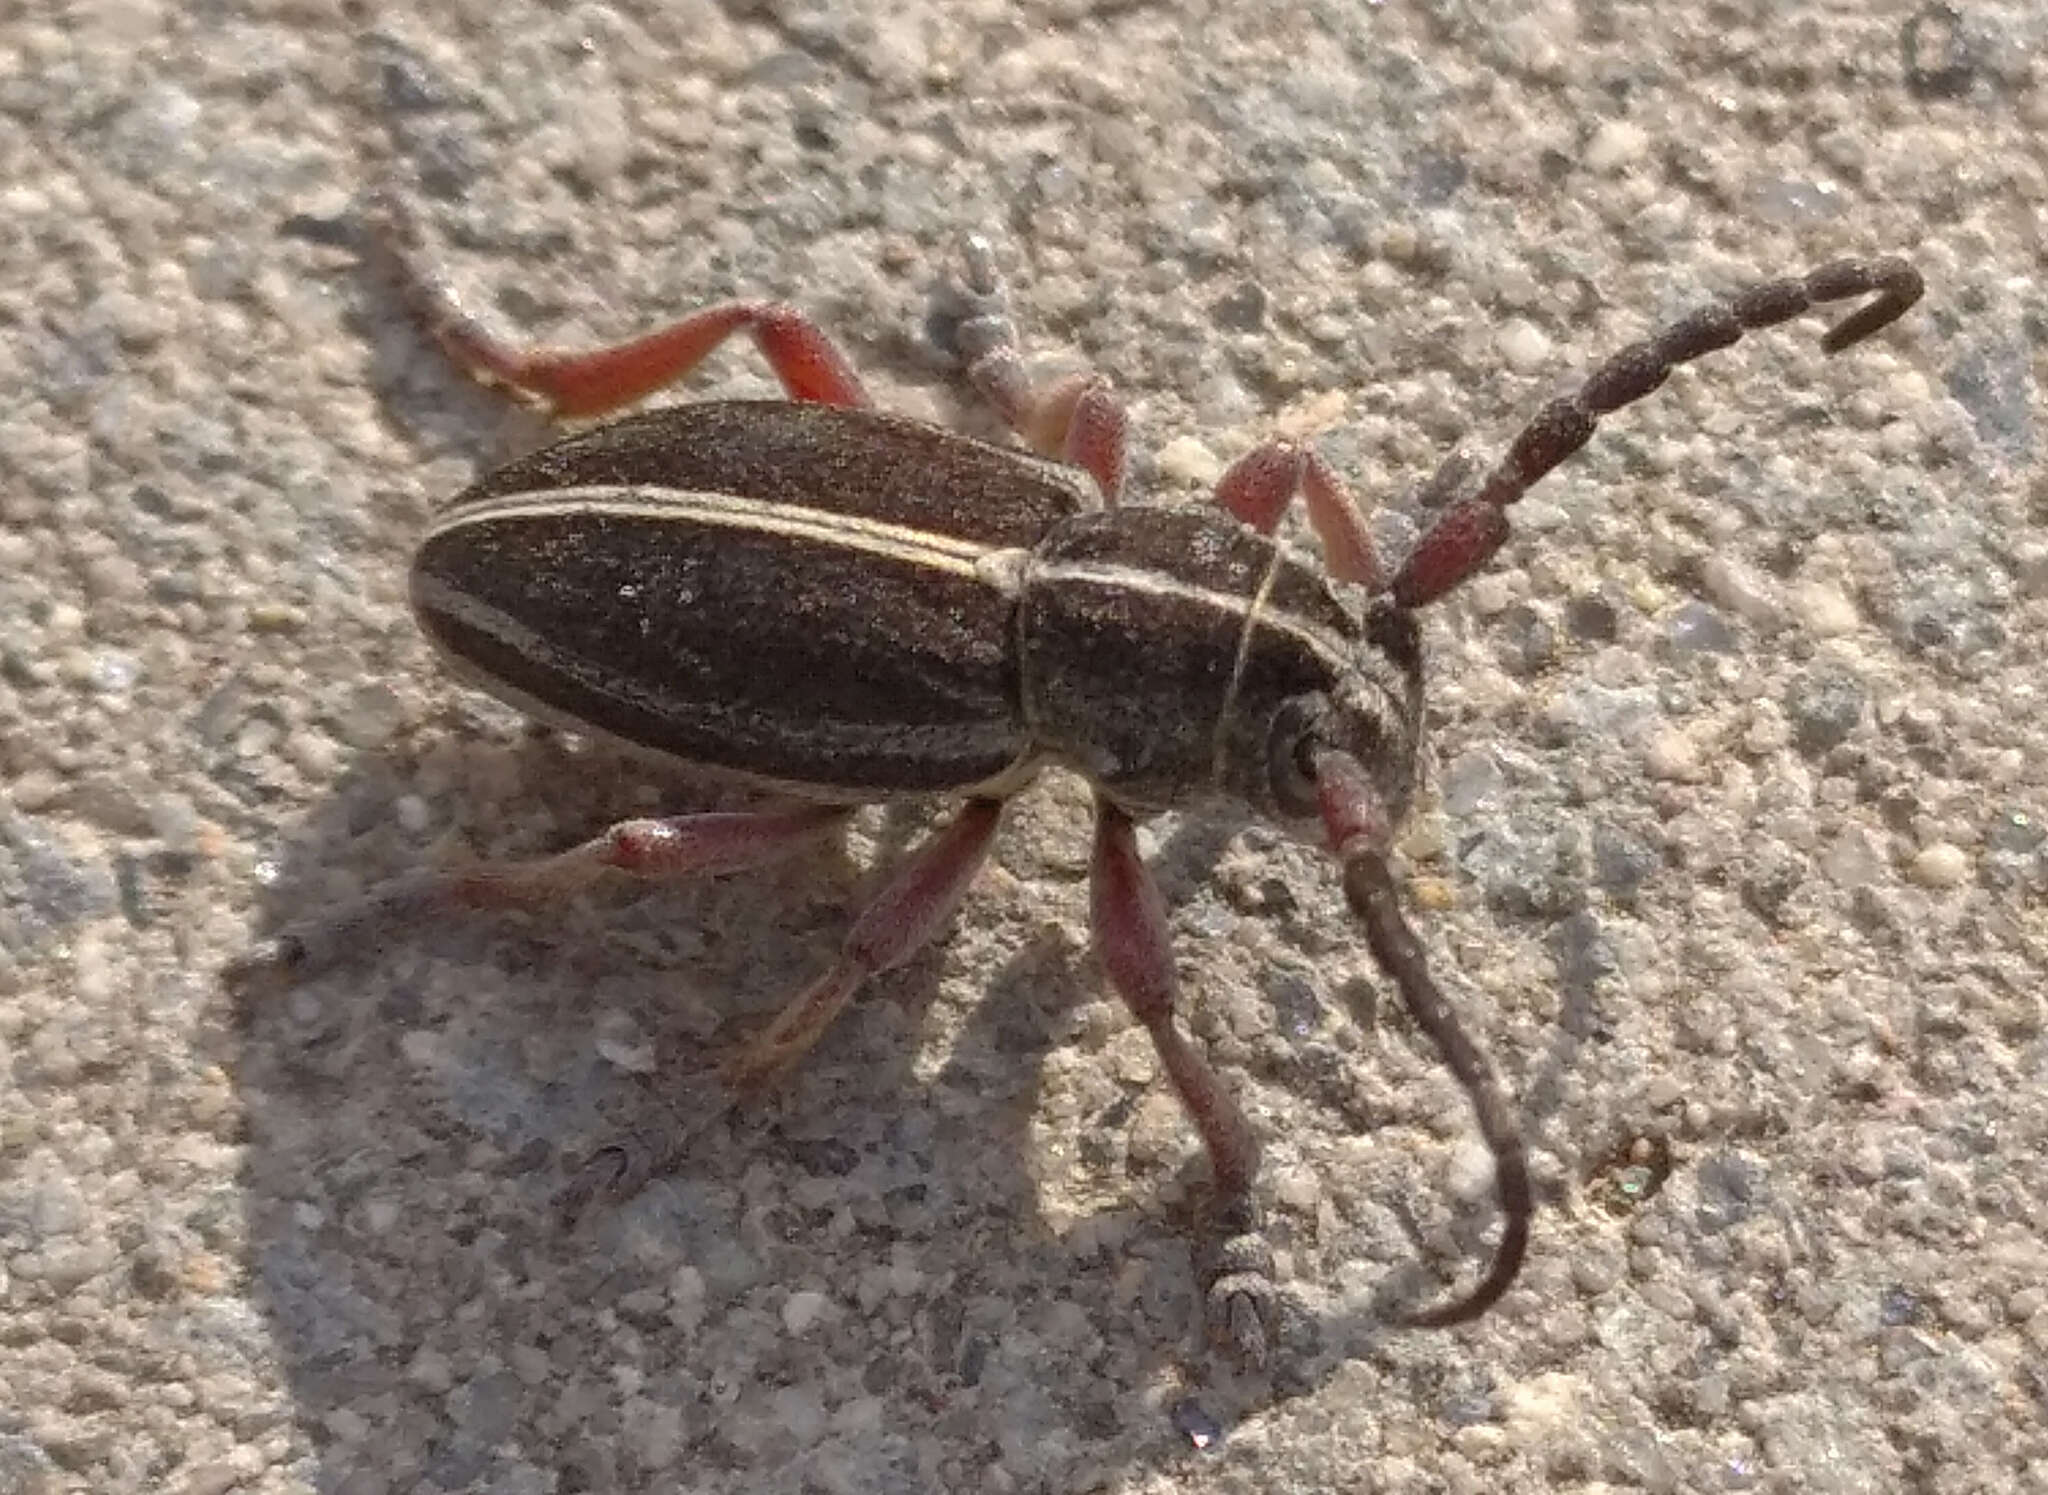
{"points": [[1733, 849]]}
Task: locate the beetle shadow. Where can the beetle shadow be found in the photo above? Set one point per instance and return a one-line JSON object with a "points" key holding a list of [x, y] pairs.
{"points": [[413, 1116], [866, 1233]]}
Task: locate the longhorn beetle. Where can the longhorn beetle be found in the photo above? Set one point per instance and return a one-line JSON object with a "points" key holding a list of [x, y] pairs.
{"points": [[843, 606]]}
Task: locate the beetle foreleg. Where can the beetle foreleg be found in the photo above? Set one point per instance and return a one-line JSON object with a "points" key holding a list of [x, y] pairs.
{"points": [[592, 382], [901, 921], [1260, 484], [684, 846], [1077, 418], [1131, 941]]}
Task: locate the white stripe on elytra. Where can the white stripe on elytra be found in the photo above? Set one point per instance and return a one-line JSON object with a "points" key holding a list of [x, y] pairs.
{"points": [[1003, 567], [1007, 569], [903, 542]]}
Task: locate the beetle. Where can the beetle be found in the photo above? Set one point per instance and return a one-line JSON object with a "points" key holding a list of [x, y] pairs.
{"points": [[842, 606]]}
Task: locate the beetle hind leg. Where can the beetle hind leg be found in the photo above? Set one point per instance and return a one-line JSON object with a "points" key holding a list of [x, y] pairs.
{"points": [[900, 921], [584, 383], [680, 847]]}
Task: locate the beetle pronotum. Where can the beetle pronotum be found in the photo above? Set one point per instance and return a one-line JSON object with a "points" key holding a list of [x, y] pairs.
{"points": [[844, 606]]}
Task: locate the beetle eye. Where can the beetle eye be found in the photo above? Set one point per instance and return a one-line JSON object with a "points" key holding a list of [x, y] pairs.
{"points": [[1290, 753]]}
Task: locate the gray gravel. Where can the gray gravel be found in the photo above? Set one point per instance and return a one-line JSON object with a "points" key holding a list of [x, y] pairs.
{"points": [[1735, 850]]}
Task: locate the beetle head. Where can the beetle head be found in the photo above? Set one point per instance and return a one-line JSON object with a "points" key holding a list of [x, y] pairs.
{"points": [[1371, 711]]}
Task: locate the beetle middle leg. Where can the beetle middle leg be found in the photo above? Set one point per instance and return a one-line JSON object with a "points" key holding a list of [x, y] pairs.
{"points": [[920, 897], [579, 384], [1077, 417]]}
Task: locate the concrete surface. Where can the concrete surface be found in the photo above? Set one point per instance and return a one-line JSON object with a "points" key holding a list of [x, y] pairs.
{"points": [[1733, 849]]}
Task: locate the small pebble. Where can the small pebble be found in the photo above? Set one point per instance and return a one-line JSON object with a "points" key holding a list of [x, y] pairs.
{"points": [[275, 617], [174, 822], [1297, 1189], [1524, 346], [1671, 756], [1824, 610], [1941, 865], [412, 813], [36, 789], [2030, 566], [430, 1369], [801, 1310], [371, 714], [1614, 145], [1489, 593], [1432, 894], [1188, 462], [1740, 590], [313, 754]]}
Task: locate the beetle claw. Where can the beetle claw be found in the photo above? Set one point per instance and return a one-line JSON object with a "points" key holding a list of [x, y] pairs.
{"points": [[618, 1171], [975, 321], [1242, 1298]]}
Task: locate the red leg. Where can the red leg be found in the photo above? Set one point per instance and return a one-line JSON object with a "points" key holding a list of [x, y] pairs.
{"points": [[579, 385], [1131, 941], [901, 921], [1260, 484], [685, 846], [1077, 418]]}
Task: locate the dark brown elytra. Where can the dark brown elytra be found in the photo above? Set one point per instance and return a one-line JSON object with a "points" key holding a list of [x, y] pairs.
{"points": [[1093, 604]]}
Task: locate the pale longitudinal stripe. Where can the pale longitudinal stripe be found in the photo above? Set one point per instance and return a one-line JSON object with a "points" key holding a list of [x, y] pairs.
{"points": [[1335, 653], [728, 511]]}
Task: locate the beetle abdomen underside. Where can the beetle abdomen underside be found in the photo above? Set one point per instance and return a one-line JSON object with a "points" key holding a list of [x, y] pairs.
{"points": [[844, 643]]}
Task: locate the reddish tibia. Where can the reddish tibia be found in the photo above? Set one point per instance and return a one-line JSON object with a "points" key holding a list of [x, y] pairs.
{"points": [[683, 847], [1136, 950], [1097, 434], [899, 922], [578, 386], [1260, 484]]}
